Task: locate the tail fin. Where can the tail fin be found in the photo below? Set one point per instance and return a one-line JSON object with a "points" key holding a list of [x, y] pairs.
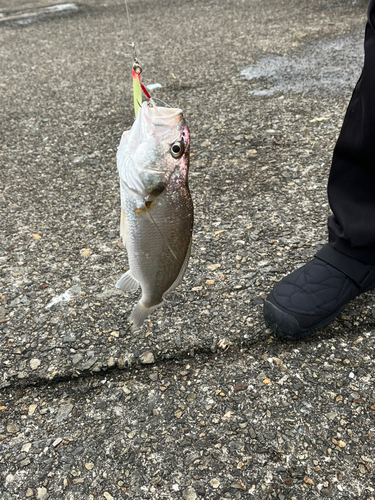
{"points": [[140, 313]]}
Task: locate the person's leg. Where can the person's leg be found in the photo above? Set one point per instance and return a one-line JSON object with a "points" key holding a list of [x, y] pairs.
{"points": [[312, 296], [351, 186]]}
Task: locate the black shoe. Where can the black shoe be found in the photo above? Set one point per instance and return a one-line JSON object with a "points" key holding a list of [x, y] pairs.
{"points": [[312, 296]]}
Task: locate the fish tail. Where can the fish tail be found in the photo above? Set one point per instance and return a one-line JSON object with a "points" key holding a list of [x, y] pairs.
{"points": [[140, 313]]}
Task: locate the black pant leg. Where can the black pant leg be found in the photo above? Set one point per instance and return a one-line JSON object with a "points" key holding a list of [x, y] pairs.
{"points": [[351, 185]]}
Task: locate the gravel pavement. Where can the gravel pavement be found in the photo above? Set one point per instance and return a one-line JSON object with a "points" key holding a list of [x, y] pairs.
{"points": [[202, 402]]}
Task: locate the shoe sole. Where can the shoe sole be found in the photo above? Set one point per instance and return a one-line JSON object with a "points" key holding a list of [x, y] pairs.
{"points": [[286, 327]]}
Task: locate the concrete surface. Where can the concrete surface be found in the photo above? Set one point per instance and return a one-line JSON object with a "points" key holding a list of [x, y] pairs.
{"points": [[203, 401]]}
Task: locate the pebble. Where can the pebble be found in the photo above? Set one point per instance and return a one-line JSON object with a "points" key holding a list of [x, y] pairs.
{"points": [[85, 252], [68, 337], [240, 387], [326, 492], [111, 362], [56, 443], [26, 447], [42, 493], [121, 363], [77, 358], [89, 363], [307, 480], [11, 428], [213, 267], [215, 483], [147, 358], [107, 496], [63, 412], [189, 494], [29, 492], [34, 363]]}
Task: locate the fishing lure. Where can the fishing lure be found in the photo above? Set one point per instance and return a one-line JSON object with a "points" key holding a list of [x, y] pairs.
{"points": [[138, 86]]}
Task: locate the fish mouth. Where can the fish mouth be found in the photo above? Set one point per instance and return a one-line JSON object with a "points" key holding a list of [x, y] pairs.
{"points": [[160, 116], [152, 125], [159, 121]]}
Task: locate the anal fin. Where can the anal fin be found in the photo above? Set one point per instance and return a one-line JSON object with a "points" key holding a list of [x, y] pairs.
{"points": [[127, 283]]}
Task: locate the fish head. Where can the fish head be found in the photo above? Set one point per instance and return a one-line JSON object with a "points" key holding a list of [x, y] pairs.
{"points": [[154, 150]]}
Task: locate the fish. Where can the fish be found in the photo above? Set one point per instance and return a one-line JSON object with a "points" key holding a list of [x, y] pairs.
{"points": [[157, 212]]}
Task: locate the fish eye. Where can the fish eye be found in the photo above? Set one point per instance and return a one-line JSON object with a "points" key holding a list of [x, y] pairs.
{"points": [[177, 149]]}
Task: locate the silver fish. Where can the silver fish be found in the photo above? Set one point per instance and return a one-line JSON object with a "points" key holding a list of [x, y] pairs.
{"points": [[156, 206]]}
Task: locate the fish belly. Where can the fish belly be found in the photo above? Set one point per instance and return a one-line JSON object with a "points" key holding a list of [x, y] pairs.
{"points": [[158, 239]]}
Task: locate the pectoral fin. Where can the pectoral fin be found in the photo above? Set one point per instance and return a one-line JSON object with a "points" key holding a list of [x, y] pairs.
{"points": [[127, 283]]}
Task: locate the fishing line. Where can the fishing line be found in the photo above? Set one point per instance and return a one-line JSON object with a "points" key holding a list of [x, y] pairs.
{"points": [[132, 44], [136, 66], [157, 99]]}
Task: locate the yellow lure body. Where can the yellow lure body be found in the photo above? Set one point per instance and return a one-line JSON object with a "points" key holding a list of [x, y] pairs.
{"points": [[137, 90]]}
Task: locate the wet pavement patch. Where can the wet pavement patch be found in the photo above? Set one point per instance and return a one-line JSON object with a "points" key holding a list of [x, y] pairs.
{"points": [[326, 65], [28, 16]]}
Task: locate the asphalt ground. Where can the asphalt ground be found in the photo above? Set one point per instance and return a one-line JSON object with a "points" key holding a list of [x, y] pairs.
{"points": [[202, 401]]}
